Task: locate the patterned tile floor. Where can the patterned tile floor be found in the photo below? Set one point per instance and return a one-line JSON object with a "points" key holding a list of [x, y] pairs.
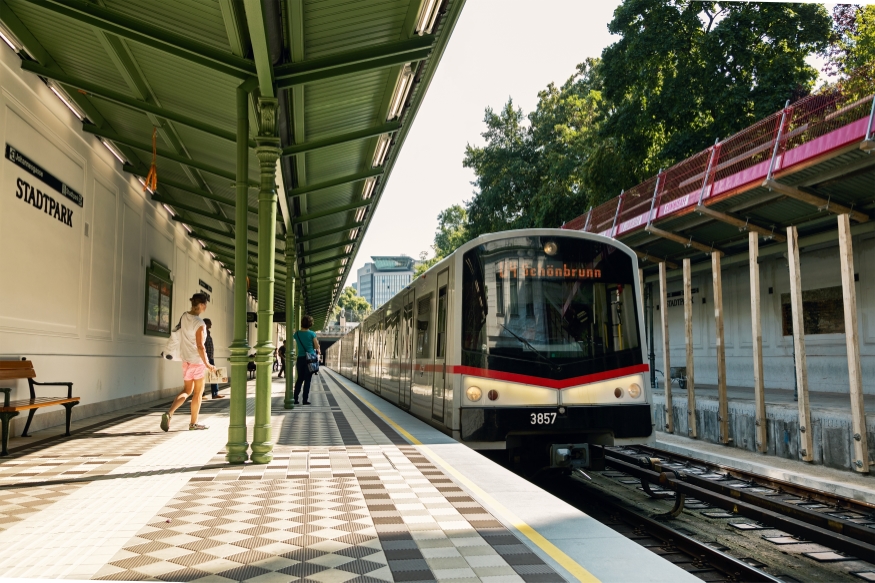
{"points": [[344, 499]]}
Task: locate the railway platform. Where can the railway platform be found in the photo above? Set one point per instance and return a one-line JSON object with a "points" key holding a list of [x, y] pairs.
{"points": [[357, 491]]}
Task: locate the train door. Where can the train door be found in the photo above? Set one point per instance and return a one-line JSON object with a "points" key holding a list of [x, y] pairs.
{"points": [[440, 353], [356, 354], [406, 351], [423, 369], [379, 353]]}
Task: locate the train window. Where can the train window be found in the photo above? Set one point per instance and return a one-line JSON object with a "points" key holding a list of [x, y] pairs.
{"points": [[442, 323], [580, 307], [499, 294], [513, 280], [423, 327]]}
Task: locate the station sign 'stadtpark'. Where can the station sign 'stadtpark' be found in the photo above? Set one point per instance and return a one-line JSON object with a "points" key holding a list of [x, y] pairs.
{"points": [[36, 197]]}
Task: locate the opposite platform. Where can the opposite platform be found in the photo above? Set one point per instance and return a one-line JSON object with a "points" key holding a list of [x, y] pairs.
{"points": [[357, 491]]}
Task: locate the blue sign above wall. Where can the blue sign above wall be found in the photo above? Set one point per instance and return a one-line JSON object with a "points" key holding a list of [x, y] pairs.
{"points": [[37, 198]]}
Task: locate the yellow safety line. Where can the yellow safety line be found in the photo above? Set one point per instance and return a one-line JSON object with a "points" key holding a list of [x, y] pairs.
{"points": [[533, 535]]}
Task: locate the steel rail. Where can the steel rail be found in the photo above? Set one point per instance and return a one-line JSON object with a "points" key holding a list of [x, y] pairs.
{"points": [[831, 536]]}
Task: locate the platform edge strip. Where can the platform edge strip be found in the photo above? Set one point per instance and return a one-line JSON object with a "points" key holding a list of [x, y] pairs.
{"points": [[567, 563]]}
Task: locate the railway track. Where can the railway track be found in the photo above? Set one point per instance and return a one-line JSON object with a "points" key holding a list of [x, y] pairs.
{"points": [[699, 514], [701, 559]]}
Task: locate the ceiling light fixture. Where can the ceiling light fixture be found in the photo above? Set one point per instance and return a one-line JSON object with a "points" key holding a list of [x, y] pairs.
{"points": [[66, 101], [360, 214], [115, 152], [379, 156], [428, 13], [169, 210], [402, 88], [347, 249]]}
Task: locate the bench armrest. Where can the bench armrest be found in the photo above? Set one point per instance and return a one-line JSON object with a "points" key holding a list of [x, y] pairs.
{"points": [[6, 395], [68, 385]]}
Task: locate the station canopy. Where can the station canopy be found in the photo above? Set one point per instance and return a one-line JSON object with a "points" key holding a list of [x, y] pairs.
{"points": [[349, 76]]}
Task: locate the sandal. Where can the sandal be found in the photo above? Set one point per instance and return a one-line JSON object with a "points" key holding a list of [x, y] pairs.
{"points": [[195, 426]]}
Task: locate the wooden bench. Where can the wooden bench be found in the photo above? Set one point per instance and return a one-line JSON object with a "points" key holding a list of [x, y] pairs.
{"points": [[23, 369]]}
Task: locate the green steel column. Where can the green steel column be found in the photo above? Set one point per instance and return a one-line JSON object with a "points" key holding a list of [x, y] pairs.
{"points": [[268, 151], [238, 448], [290, 321]]}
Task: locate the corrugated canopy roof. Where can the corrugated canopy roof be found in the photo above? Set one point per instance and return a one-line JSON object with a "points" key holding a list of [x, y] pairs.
{"points": [[349, 77]]}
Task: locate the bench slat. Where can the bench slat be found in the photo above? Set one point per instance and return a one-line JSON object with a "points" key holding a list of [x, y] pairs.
{"points": [[16, 369], [25, 404]]}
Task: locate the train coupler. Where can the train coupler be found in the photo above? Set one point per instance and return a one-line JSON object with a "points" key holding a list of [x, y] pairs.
{"points": [[576, 456]]}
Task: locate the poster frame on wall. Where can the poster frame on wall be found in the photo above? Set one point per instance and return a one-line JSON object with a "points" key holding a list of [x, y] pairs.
{"points": [[158, 313]]}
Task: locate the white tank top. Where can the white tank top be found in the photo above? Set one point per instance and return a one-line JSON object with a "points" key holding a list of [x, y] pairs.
{"points": [[188, 340]]}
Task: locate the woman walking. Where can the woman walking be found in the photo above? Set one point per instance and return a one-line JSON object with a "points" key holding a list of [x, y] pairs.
{"points": [[195, 364], [307, 342]]}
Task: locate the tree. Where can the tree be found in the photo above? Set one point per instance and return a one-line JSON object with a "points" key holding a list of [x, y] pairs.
{"points": [[851, 54], [451, 233], [685, 72], [353, 305]]}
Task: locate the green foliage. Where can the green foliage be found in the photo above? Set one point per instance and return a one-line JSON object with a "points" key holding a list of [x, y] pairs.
{"points": [[686, 72], [452, 232], [682, 73], [353, 305], [851, 56]]}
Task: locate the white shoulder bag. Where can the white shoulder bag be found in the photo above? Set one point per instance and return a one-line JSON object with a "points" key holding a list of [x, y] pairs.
{"points": [[171, 349]]}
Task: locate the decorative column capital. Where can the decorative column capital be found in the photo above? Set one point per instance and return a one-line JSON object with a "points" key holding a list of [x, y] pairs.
{"points": [[268, 108]]}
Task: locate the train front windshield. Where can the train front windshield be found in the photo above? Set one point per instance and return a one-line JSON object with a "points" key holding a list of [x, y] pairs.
{"points": [[551, 307]]}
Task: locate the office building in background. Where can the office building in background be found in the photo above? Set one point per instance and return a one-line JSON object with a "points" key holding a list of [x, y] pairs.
{"points": [[384, 277]]}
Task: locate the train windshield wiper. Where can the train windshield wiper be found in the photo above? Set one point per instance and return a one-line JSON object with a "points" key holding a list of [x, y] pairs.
{"points": [[526, 342]]}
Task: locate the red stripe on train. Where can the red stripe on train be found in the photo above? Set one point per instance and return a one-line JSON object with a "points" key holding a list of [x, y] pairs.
{"points": [[549, 383]]}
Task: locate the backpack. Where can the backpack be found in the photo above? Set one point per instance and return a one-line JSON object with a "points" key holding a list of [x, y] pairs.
{"points": [[312, 357], [171, 349]]}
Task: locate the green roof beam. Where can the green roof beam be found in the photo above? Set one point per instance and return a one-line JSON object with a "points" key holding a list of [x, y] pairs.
{"points": [[327, 213], [330, 270], [188, 188], [356, 61], [135, 29], [320, 234], [349, 179], [195, 225], [256, 19], [122, 99], [306, 147], [163, 153], [202, 212], [310, 252], [231, 244], [324, 261]]}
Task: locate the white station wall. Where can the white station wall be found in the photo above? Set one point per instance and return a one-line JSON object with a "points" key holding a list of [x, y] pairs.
{"points": [[826, 353], [72, 292]]}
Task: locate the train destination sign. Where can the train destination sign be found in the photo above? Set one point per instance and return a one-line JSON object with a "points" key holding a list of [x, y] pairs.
{"points": [[36, 197], [550, 271]]}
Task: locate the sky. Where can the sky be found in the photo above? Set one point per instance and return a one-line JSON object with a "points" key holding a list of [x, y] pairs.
{"points": [[499, 49]]}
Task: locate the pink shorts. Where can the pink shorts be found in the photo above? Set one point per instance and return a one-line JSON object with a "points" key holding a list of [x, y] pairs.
{"points": [[193, 372]]}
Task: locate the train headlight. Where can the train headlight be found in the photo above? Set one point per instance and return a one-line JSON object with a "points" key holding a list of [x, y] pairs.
{"points": [[618, 392], [550, 248], [634, 390], [473, 394]]}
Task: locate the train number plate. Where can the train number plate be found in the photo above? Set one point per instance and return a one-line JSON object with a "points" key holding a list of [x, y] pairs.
{"points": [[543, 418]]}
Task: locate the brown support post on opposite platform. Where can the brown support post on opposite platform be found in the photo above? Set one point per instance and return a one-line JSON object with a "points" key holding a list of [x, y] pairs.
{"points": [[723, 401], [806, 442], [688, 341], [666, 356], [860, 459], [756, 323]]}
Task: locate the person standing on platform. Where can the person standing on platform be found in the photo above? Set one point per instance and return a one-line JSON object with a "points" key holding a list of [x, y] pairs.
{"points": [[276, 363], [281, 352], [194, 362], [306, 342], [208, 346]]}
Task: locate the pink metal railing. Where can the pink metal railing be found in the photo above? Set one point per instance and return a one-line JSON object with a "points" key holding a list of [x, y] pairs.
{"points": [[800, 132]]}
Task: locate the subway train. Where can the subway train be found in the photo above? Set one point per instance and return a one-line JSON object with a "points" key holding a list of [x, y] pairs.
{"points": [[529, 341]]}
